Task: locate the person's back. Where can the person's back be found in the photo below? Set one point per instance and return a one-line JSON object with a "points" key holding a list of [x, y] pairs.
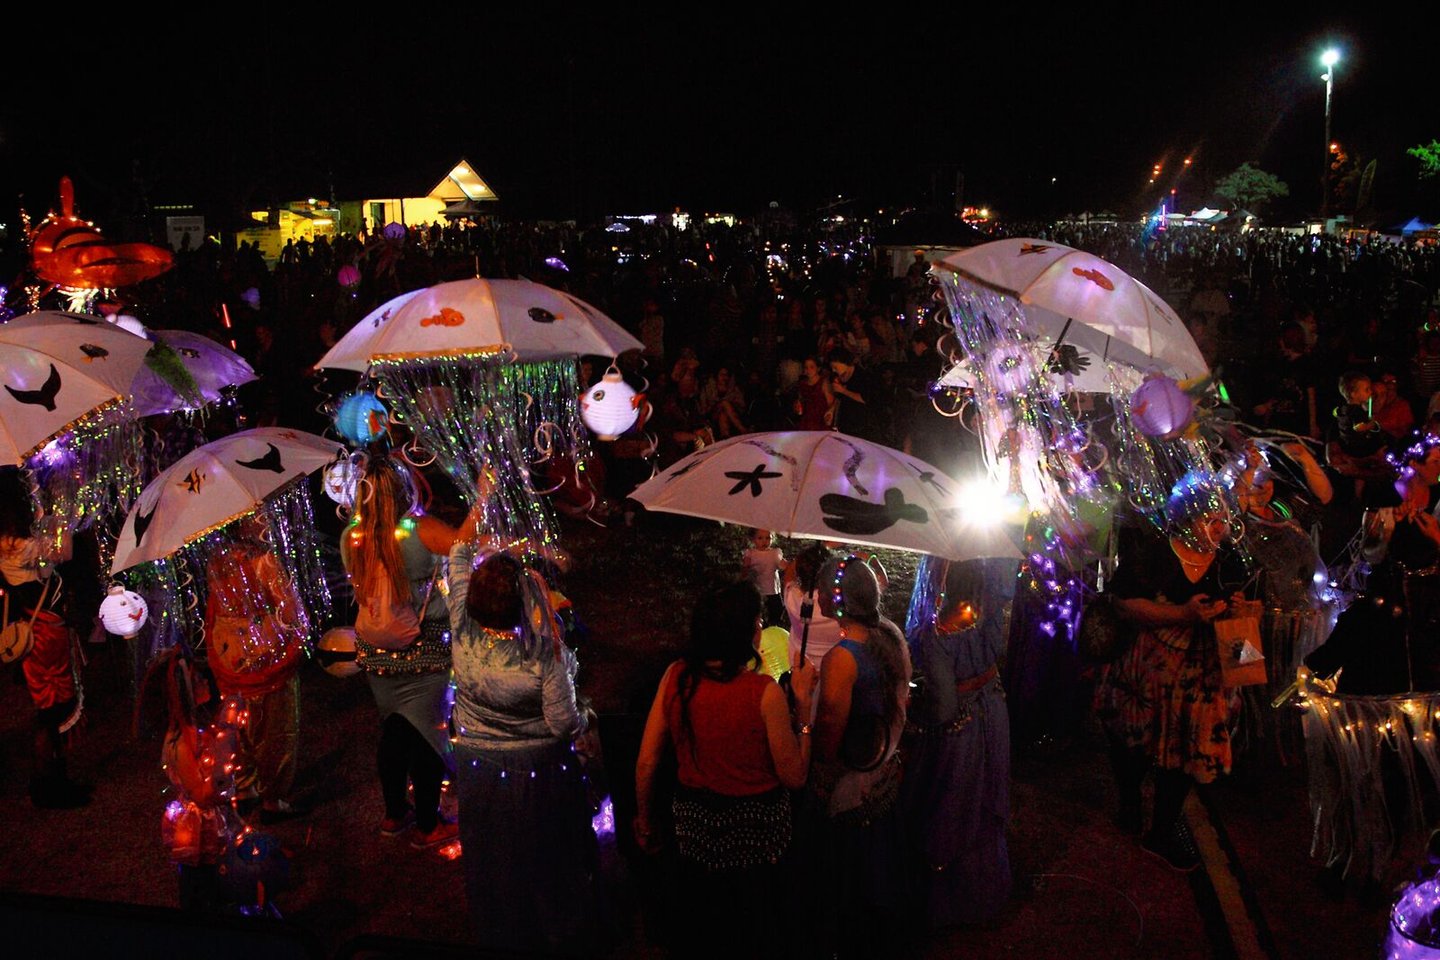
{"points": [[723, 747]]}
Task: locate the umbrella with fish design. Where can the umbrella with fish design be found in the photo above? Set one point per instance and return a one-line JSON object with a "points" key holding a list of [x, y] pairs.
{"points": [[822, 485]]}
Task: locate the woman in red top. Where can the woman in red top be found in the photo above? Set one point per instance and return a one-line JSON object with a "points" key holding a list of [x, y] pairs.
{"points": [[814, 402], [739, 748]]}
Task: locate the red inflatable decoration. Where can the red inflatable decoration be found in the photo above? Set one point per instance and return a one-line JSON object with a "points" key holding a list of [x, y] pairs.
{"points": [[71, 252]]}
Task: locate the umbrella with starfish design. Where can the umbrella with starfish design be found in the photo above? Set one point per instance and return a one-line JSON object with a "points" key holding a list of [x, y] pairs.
{"points": [[822, 485]]}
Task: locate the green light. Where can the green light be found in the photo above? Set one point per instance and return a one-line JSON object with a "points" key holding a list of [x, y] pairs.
{"points": [[1224, 394]]}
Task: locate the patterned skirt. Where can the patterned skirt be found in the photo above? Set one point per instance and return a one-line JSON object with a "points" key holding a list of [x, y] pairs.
{"points": [[720, 832], [1164, 696]]}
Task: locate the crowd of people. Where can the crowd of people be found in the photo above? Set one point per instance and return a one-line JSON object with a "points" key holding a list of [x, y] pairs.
{"points": [[1329, 349]]}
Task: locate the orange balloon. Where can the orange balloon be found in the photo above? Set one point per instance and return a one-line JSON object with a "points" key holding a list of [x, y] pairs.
{"points": [[69, 251]]}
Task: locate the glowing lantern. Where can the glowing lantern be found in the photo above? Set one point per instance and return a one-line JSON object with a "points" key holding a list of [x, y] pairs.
{"points": [[123, 612], [348, 276], [1161, 409], [1413, 932], [361, 417], [610, 407], [336, 652], [394, 231], [339, 481]]}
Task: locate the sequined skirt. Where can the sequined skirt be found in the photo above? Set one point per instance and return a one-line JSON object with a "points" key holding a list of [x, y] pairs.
{"points": [[430, 653], [719, 832]]}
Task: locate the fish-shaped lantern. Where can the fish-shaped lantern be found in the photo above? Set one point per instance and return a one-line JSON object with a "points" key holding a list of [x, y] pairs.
{"points": [[67, 250]]}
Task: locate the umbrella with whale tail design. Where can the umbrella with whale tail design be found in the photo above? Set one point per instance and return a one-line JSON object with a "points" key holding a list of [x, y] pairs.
{"points": [[823, 485]]}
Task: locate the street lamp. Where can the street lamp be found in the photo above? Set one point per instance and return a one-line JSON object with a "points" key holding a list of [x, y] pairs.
{"points": [[1328, 60]]}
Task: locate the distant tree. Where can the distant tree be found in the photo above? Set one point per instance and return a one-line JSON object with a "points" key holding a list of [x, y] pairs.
{"points": [[1429, 156], [1250, 188]]}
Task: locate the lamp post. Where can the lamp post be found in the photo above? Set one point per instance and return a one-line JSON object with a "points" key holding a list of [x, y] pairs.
{"points": [[1328, 60]]}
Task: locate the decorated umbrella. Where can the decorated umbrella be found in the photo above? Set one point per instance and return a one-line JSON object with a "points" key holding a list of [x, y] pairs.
{"points": [[214, 485], [62, 372], [483, 374], [472, 318], [1079, 289], [188, 372], [822, 485]]}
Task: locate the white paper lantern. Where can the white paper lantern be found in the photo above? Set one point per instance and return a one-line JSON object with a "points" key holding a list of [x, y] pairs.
{"points": [[610, 407], [123, 612], [339, 482]]}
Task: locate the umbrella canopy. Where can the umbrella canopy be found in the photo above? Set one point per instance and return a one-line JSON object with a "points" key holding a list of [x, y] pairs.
{"points": [[55, 368], [211, 366], [1094, 292], [477, 317], [821, 485], [212, 485]]}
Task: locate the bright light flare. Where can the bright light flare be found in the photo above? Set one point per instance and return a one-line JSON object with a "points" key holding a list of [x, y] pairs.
{"points": [[1329, 58], [984, 503]]}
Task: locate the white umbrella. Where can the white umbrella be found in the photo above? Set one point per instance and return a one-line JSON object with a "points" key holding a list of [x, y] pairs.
{"points": [[55, 369], [822, 485], [478, 317], [1094, 292], [212, 367], [213, 485]]}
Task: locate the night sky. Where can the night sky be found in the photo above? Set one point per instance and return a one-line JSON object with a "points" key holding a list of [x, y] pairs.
{"points": [[604, 114]]}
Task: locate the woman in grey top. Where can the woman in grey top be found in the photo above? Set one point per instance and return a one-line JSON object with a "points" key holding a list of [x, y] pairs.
{"points": [[530, 852]]}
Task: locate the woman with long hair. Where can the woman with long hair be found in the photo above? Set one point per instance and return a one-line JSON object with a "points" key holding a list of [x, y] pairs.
{"points": [[739, 747], [855, 780], [392, 549], [814, 400], [531, 857]]}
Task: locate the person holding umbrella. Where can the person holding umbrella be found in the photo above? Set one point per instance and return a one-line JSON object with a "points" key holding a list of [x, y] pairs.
{"points": [[391, 542], [854, 843]]}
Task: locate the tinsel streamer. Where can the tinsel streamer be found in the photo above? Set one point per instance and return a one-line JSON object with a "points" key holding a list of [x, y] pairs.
{"points": [[1029, 435], [536, 394], [295, 542], [1361, 750], [89, 474], [169, 624], [468, 413]]}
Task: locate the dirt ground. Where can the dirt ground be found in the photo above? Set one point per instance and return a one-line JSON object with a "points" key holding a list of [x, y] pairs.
{"points": [[1083, 889]]}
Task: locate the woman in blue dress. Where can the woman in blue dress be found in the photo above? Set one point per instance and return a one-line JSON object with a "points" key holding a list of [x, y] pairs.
{"points": [[956, 792]]}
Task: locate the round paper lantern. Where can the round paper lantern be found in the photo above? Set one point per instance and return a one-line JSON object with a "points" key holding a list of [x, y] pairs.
{"points": [[1161, 409], [361, 417], [610, 407], [339, 481], [1415, 923], [348, 276], [336, 652], [123, 612], [394, 231]]}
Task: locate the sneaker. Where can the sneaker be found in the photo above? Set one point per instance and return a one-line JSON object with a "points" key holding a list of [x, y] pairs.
{"points": [[1176, 847], [444, 832], [394, 826]]}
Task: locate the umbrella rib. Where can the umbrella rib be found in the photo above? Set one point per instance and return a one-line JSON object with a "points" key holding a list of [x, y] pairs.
{"points": [[795, 509]]}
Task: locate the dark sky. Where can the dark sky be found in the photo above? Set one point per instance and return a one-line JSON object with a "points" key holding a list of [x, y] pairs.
{"points": [[632, 113]]}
